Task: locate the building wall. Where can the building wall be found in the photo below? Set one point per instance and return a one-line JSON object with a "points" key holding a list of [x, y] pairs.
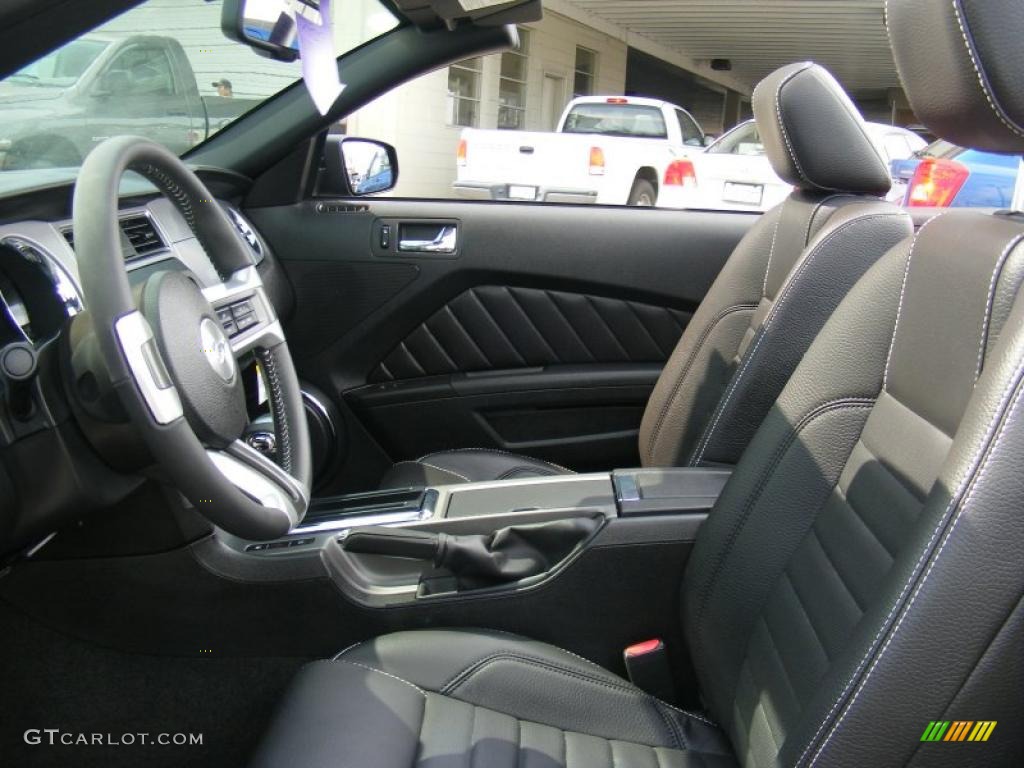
{"points": [[415, 117]]}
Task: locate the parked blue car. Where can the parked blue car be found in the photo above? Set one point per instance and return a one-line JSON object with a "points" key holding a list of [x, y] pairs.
{"points": [[944, 175]]}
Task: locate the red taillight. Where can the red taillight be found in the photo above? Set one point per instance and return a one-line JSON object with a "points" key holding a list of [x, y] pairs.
{"points": [[596, 161], [680, 173], [616, 100], [936, 182], [460, 153]]}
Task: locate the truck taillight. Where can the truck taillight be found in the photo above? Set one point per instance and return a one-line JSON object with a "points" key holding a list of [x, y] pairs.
{"points": [[680, 173], [936, 182], [460, 153], [596, 161]]}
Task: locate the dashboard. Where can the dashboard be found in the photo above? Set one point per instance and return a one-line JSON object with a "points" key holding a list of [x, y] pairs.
{"points": [[39, 281], [40, 295]]}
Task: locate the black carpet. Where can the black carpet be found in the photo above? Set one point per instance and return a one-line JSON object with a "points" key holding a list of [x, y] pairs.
{"points": [[51, 681]]}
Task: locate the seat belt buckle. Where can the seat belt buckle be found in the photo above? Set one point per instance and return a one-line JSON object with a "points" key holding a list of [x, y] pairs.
{"points": [[648, 668]]}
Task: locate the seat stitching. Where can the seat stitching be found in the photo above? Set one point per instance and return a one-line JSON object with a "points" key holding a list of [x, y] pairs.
{"points": [[687, 713], [903, 292], [446, 471], [785, 133], [471, 669], [538, 472], [681, 378], [776, 308], [771, 250], [986, 323], [386, 674], [754, 497], [345, 650], [989, 445], [989, 97], [498, 451], [449, 688]]}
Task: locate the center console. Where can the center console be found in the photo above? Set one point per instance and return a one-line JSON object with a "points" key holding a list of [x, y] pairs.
{"points": [[406, 546]]}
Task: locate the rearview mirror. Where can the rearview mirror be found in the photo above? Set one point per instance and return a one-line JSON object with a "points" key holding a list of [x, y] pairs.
{"points": [[267, 26], [358, 167]]}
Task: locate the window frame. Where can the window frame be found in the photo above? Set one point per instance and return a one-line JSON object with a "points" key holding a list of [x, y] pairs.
{"points": [[477, 77], [577, 72], [522, 51]]}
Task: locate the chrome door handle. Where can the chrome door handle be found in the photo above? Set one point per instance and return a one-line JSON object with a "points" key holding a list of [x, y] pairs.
{"points": [[444, 242]]}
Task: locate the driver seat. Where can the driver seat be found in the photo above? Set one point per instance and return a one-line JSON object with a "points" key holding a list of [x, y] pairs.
{"points": [[774, 293], [858, 578]]}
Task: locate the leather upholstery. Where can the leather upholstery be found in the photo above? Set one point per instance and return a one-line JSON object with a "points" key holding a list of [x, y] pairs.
{"points": [[814, 136], [466, 465], [455, 698], [960, 62], [772, 297], [803, 571], [778, 287], [493, 327]]}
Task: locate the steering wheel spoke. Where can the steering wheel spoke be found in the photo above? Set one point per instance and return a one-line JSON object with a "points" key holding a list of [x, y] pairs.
{"points": [[245, 312], [261, 479]]}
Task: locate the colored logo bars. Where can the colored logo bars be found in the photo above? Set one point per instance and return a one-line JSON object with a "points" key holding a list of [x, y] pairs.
{"points": [[958, 730]]}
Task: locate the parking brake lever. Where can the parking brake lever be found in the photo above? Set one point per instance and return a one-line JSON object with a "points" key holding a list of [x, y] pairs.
{"points": [[393, 542]]}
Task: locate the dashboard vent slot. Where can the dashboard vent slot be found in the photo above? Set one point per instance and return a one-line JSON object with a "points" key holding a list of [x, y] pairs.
{"points": [[142, 235]]}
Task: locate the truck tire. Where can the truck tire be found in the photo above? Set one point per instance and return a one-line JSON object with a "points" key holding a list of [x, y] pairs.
{"points": [[642, 194]]}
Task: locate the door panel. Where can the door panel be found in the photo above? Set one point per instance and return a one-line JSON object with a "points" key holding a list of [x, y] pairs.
{"points": [[543, 332]]}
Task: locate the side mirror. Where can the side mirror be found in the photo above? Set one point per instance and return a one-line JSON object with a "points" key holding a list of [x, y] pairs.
{"points": [[266, 26], [359, 167], [709, 139]]}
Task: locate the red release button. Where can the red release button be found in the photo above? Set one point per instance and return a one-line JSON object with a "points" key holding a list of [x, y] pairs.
{"points": [[647, 646]]}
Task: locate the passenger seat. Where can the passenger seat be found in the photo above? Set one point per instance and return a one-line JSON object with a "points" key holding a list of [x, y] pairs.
{"points": [[771, 298]]}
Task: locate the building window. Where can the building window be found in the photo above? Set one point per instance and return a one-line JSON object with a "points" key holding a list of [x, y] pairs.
{"points": [[512, 85], [464, 93], [586, 71]]}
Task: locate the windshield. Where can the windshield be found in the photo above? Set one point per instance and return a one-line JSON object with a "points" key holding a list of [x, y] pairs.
{"points": [[742, 140], [616, 120], [163, 70], [63, 66]]}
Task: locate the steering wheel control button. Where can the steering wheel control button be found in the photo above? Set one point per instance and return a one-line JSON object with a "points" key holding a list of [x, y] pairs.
{"points": [[217, 349]]}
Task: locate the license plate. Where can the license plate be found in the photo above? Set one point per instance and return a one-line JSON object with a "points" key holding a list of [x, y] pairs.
{"points": [[735, 192], [521, 192]]}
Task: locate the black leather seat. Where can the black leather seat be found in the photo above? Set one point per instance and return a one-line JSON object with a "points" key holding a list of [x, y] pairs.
{"points": [[860, 575], [769, 301]]}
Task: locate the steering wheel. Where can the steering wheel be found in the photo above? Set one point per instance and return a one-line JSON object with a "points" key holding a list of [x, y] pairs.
{"points": [[174, 368]]}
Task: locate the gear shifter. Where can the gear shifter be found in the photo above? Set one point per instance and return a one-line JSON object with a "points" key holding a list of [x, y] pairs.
{"points": [[506, 555]]}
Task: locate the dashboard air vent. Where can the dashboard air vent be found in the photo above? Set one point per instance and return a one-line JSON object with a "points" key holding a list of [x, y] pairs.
{"points": [[142, 237]]}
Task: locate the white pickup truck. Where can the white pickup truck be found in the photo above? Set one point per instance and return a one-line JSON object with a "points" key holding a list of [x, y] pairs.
{"points": [[611, 150]]}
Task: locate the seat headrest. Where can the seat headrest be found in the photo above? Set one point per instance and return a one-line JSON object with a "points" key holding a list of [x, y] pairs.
{"points": [[961, 63], [813, 134]]}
